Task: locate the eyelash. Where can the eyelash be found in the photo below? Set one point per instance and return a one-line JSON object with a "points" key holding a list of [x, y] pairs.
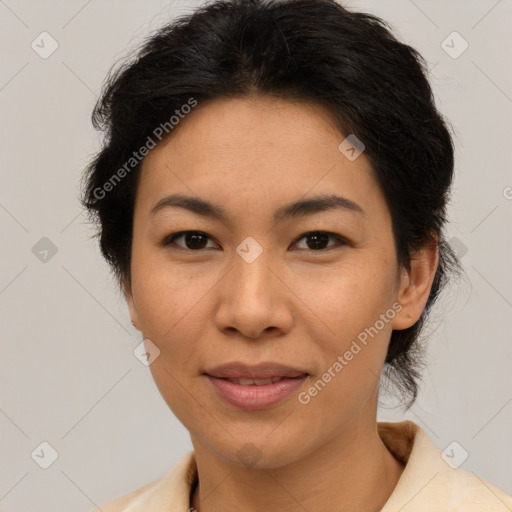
{"points": [[170, 240]]}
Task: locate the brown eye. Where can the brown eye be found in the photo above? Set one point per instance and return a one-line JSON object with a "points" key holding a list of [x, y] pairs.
{"points": [[318, 240], [192, 240], [196, 241]]}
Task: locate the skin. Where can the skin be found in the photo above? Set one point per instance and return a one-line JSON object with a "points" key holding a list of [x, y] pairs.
{"points": [[293, 304]]}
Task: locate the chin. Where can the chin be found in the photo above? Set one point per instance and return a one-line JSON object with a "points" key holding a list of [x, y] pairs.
{"points": [[254, 452]]}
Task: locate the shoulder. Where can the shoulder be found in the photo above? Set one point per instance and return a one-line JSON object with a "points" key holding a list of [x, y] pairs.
{"points": [[171, 490], [431, 482], [122, 503], [469, 492]]}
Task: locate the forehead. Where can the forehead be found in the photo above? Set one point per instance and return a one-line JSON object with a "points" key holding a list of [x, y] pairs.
{"points": [[257, 152], [257, 125]]}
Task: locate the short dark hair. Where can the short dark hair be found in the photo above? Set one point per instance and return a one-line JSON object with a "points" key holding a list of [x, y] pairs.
{"points": [[308, 50]]}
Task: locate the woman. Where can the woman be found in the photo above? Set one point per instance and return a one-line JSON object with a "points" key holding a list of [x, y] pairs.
{"points": [[271, 196]]}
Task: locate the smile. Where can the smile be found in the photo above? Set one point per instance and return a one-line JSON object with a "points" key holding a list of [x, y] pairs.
{"points": [[256, 394]]}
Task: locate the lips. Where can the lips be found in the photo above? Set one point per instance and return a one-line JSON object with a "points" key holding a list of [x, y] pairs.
{"points": [[255, 382], [255, 387], [260, 371]]}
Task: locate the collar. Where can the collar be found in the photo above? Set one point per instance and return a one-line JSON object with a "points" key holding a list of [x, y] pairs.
{"points": [[427, 484]]}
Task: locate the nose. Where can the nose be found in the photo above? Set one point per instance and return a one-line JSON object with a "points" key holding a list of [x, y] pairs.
{"points": [[254, 300]]}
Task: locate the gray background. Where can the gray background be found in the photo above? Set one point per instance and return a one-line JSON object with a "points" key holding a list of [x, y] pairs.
{"points": [[68, 374]]}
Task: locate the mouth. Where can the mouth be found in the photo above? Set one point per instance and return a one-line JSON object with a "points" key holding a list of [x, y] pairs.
{"points": [[255, 387], [257, 382], [261, 371]]}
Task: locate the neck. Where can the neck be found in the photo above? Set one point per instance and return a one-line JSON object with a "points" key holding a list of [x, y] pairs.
{"points": [[353, 471]]}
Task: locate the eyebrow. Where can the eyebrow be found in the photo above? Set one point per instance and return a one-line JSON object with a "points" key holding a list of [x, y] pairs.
{"points": [[300, 208]]}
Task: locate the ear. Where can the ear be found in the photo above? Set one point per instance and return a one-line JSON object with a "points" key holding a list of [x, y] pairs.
{"points": [[415, 284], [127, 292]]}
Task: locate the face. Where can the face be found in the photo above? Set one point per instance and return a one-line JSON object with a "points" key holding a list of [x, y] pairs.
{"points": [[248, 279]]}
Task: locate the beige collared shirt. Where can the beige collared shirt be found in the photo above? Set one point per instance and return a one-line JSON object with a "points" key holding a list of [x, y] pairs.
{"points": [[427, 484]]}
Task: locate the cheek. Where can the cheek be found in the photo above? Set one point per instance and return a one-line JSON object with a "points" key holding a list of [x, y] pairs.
{"points": [[170, 307], [171, 316], [350, 298], [355, 309], [351, 360], [167, 293]]}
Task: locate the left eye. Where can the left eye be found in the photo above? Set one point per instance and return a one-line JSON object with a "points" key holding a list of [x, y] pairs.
{"points": [[194, 240], [197, 240], [318, 239]]}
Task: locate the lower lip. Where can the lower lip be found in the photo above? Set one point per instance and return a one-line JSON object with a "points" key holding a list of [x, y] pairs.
{"points": [[253, 397]]}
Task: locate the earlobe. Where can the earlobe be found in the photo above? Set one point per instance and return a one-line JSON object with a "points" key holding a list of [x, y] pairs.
{"points": [[415, 285], [127, 292]]}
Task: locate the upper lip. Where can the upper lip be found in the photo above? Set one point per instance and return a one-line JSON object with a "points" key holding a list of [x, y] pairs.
{"points": [[239, 370]]}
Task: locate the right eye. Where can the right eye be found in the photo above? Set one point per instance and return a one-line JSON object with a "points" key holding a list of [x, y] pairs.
{"points": [[193, 240]]}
